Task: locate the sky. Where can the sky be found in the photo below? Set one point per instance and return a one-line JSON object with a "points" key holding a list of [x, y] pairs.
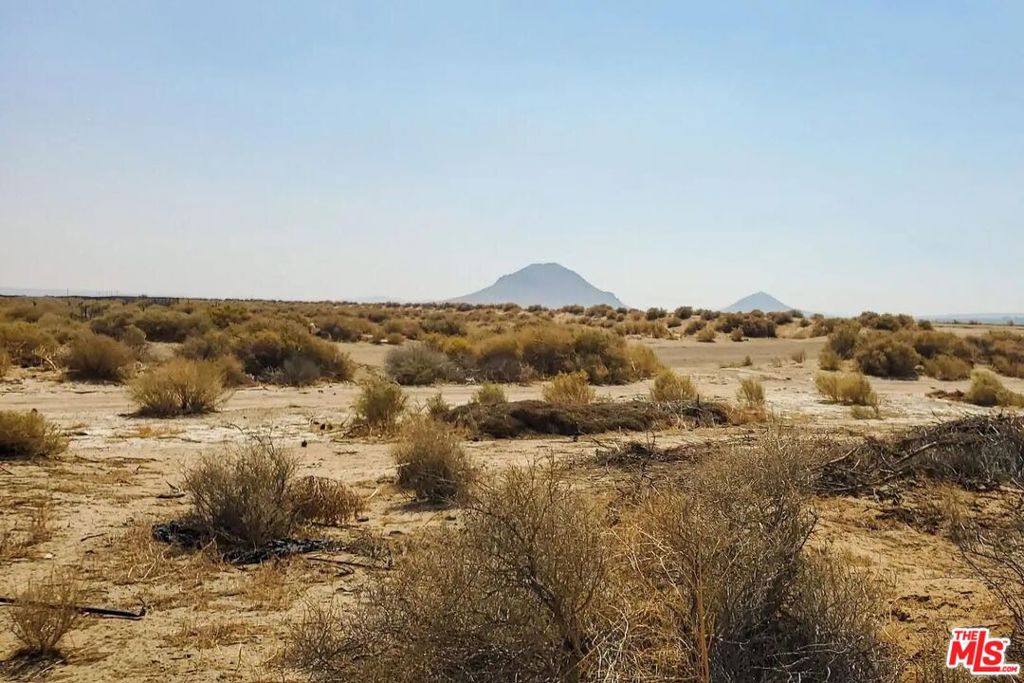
{"points": [[841, 156]]}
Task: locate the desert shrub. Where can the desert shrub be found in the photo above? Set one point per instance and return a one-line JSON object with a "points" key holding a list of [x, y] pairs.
{"points": [[179, 387], [850, 388], [997, 557], [655, 313], [446, 325], [320, 500], [947, 368], [163, 324], [829, 359], [27, 344], [751, 391], [436, 407], [489, 393], [671, 386], [753, 604], [29, 435], [95, 357], [514, 595], [499, 359], [44, 613], [264, 352], [887, 357], [206, 346], [240, 496], [987, 390], [569, 389], [798, 356], [418, 365], [706, 334], [343, 328], [5, 363], [694, 326], [684, 312], [737, 334], [843, 338], [430, 461], [379, 405]]}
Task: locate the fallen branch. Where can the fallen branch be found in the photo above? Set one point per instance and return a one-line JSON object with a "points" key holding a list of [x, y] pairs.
{"points": [[83, 609]]}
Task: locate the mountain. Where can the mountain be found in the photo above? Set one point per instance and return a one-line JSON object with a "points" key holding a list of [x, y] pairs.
{"points": [[759, 301], [547, 284]]}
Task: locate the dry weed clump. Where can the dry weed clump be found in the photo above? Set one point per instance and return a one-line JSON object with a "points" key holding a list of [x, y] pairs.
{"points": [[431, 462], [28, 436], [27, 344], [947, 368], [706, 334], [179, 387], [987, 390], [379, 405], [851, 388], [241, 496], [43, 614], [94, 357], [569, 389], [829, 360], [489, 394], [319, 500], [5, 363], [751, 392], [671, 386]]}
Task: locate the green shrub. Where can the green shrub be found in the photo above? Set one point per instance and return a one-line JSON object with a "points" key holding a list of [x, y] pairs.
{"points": [[418, 365], [29, 435], [179, 387], [489, 393], [671, 386], [569, 389], [430, 461], [94, 357], [379, 405], [887, 357]]}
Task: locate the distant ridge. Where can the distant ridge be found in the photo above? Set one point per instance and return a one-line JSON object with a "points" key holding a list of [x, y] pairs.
{"points": [[546, 284], [759, 301]]}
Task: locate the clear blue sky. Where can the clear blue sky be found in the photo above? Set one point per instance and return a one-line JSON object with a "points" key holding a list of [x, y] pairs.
{"points": [[839, 155]]}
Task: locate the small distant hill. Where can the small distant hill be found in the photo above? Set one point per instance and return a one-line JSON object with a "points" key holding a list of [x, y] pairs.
{"points": [[546, 284], [760, 301]]}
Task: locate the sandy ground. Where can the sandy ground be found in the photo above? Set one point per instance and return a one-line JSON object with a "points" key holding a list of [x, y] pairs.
{"points": [[210, 622]]}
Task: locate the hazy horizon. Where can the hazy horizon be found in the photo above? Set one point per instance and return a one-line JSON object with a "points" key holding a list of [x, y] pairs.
{"points": [[840, 158]]}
